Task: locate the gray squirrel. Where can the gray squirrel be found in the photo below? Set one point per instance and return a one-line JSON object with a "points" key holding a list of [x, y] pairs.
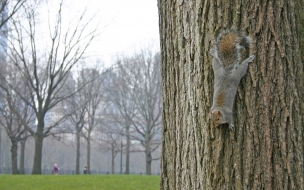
{"points": [[228, 72]]}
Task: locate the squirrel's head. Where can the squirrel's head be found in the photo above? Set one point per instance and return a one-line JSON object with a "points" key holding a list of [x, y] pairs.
{"points": [[216, 118]]}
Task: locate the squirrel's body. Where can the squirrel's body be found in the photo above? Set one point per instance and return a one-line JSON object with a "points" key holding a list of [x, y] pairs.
{"points": [[228, 72]]}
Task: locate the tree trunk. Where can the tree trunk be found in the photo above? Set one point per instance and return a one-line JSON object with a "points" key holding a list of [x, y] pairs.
{"points": [[38, 137], [113, 159], [89, 152], [265, 149], [1, 155], [14, 156], [22, 156], [38, 154], [127, 171], [148, 154], [77, 151], [38, 148], [148, 163]]}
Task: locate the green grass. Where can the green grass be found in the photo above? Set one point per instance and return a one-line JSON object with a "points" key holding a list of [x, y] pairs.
{"points": [[98, 182]]}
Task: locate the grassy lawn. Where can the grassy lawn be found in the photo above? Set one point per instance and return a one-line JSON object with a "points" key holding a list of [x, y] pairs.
{"points": [[100, 182]]}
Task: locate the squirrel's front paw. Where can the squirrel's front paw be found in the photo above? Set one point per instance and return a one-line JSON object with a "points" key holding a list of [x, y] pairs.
{"points": [[251, 58], [231, 126], [212, 52]]}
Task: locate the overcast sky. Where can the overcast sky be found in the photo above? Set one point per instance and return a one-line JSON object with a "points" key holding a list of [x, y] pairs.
{"points": [[131, 24], [126, 25]]}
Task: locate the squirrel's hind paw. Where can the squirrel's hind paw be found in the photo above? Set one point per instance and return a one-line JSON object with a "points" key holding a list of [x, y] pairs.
{"points": [[251, 58]]}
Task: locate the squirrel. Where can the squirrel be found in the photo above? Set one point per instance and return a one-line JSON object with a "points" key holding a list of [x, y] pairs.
{"points": [[228, 72]]}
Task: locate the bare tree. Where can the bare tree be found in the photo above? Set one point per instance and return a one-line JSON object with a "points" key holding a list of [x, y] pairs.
{"points": [[137, 96], [89, 82], [121, 98], [16, 133], [8, 8], [45, 70], [93, 97], [76, 107], [147, 123], [110, 140], [11, 110]]}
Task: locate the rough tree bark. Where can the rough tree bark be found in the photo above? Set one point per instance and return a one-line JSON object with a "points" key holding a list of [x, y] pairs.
{"points": [[265, 149]]}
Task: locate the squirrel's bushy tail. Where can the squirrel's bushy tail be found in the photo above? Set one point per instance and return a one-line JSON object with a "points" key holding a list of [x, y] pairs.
{"points": [[228, 46]]}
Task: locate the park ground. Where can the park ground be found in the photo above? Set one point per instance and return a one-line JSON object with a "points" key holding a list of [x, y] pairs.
{"points": [[100, 182]]}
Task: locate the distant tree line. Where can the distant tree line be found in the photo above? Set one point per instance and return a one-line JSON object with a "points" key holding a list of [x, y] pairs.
{"points": [[50, 91]]}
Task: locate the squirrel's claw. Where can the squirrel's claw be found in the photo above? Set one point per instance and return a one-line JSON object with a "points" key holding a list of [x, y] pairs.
{"points": [[231, 126], [251, 58], [212, 52]]}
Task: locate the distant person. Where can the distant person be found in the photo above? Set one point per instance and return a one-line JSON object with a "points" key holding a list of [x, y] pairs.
{"points": [[85, 170], [56, 169]]}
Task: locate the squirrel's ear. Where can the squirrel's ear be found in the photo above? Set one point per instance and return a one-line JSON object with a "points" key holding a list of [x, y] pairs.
{"points": [[219, 113]]}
